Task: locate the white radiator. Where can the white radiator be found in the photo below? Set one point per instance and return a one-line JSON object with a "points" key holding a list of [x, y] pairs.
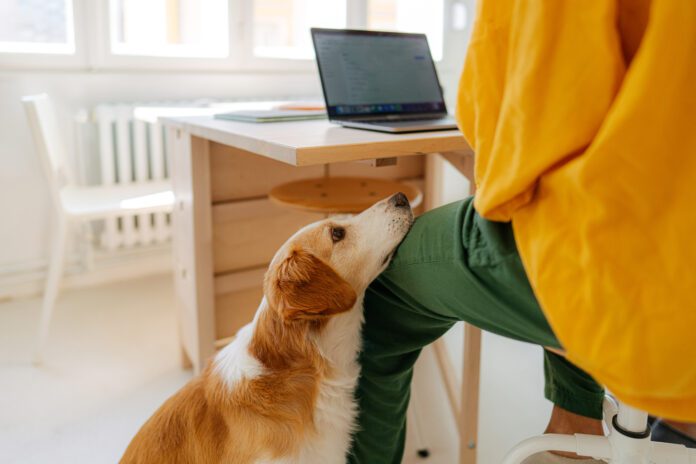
{"points": [[131, 151]]}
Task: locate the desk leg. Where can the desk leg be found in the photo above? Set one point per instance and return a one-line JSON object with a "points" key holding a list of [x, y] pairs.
{"points": [[467, 407], [432, 197], [192, 246], [471, 370]]}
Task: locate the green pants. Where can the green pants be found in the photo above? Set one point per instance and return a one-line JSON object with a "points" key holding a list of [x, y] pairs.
{"points": [[453, 266]]}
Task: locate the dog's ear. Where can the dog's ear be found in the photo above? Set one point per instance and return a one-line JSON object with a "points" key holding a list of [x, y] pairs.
{"points": [[302, 286]]}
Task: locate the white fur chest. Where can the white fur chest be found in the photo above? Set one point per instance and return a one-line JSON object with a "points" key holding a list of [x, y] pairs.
{"points": [[336, 408]]}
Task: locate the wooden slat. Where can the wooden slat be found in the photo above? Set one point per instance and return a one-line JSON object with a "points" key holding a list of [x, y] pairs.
{"points": [[237, 297], [242, 280], [406, 167], [247, 234], [193, 273], [235, 310], [237, 174]]}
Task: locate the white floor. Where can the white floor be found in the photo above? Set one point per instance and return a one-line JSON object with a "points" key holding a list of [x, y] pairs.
{"points": [[113, 357]]}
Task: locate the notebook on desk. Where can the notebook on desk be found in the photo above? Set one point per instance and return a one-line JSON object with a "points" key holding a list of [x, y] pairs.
{"points": [[272, 115], [381, 81]]}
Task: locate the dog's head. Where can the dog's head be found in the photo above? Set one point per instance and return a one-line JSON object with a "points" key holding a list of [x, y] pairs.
{"points": [[321, 270]]}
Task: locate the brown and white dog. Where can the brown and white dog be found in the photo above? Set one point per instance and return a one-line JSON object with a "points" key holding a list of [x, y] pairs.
{"points": [[282, 391]]}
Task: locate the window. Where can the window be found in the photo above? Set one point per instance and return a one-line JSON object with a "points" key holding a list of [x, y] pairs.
{"points": [[179, 28], [409, 16], [205, 35], [36, 26], [281, 27]]}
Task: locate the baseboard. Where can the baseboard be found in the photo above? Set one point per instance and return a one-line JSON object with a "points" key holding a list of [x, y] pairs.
{"points": [[26, 280]]}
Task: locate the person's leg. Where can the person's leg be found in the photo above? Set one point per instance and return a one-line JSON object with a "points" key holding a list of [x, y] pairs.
{"points": [[391, 346], [570, 388], [452, 266], [576, 397]]}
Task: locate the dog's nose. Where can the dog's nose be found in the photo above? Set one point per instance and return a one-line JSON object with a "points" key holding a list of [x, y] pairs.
{"points": [[399, 200]]}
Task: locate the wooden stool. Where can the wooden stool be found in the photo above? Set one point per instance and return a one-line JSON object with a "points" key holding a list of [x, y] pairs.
{"points": [[340, 195]]}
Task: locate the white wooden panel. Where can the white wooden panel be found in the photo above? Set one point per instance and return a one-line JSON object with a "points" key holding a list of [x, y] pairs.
{"points": [[105, 119], [125, 173], [144, 232]]}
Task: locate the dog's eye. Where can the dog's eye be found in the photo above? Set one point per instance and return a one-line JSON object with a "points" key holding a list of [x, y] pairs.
{"points": [[337, 234]]}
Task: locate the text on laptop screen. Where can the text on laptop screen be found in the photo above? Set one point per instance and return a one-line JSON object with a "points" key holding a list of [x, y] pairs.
{"points": [[365, 73]]}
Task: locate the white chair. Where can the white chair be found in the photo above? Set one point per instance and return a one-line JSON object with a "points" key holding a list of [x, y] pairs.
{"points": [[628, 442], [72, 204]]}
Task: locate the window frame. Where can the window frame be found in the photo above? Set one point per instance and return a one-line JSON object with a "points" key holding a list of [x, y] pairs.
{"points": [[54, 60], [102, 56], [93, 35], [251, 61]]}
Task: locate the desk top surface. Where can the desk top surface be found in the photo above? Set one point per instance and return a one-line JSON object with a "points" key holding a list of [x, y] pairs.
{"points": [[304, 143]]}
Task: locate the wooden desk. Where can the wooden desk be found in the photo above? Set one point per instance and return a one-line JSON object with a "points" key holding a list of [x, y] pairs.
{"points": [[226, 230]]}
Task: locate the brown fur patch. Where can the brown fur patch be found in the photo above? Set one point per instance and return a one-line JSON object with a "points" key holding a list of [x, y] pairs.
{"points": [[267, 416], [187, 428], [302, 286]]}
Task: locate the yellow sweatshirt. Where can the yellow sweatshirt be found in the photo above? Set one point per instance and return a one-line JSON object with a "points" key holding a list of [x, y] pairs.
{"points": [[582, 115]]}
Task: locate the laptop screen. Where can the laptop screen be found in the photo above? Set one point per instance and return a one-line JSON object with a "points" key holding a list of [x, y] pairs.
{"points": [[367, 73]]}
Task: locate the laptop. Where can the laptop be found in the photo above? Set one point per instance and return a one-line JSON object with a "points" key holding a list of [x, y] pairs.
{"points": [[380, 81]]}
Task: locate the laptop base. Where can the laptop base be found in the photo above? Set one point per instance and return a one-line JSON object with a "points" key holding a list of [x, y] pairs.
{"points": [[400, 127]]}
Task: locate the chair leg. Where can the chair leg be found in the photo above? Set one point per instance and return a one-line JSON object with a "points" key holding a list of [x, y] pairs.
{"points": [[184, 357], [88, 246], [628, 442], [53, 278], [585, 445]]}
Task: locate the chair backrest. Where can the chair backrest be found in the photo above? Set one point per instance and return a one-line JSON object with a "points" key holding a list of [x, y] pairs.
{"points": [[48, 141]]}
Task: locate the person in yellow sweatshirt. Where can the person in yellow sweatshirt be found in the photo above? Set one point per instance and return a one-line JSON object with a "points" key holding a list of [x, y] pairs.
{"points": [[582, 115]]}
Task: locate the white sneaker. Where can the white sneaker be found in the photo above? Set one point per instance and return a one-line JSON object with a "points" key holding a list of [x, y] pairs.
{"points": [[550, 458]]}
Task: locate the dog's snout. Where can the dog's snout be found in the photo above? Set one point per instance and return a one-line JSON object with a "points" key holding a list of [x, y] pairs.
{"points": [[399, 200]]}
